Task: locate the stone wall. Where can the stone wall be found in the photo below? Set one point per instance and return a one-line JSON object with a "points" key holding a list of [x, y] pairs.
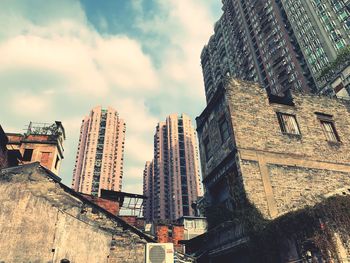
{"points": [[277, 172], [256, 125], [41, 222], [283, 172]]}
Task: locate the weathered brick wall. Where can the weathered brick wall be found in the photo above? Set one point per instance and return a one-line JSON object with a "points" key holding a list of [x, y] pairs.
{"points": [[162, 233], [109, 205], [42, 223], [210, 130], [276, 171], [256, 125], [295, 187], [252, 180], [281, 172], [177, 235]]}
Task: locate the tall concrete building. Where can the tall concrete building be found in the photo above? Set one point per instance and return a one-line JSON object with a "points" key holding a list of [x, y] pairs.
{"points": [[172, 182], [280, 44], [148, 190], [100, 155], [322, 29]]}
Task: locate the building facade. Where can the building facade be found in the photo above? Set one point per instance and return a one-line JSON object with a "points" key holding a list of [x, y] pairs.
{"points": [[148, 190], [322, 29], [3, 149], [280, 44], [51, 222], [281, 154], [174, 179], [42, 142], [100, 154], [276, 154]]}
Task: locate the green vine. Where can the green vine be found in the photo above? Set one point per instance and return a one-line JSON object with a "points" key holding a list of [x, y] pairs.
{"points": [[311, 225], [342, 59]]}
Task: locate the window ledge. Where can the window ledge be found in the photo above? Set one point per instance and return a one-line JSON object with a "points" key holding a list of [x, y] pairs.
{"points": [[292, 135], [337, 144]]}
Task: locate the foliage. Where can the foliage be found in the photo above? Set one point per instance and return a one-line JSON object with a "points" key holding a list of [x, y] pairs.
{"points": [[316, 225], [342, 59], [217, 215]]}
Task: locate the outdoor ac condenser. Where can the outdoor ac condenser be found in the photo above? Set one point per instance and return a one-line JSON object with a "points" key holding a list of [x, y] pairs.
{"points": [[159, 253]]}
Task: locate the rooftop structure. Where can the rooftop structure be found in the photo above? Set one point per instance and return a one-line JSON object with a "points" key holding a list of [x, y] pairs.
{"points": [[41, 142]]}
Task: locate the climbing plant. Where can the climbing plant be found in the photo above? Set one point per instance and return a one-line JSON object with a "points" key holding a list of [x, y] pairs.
{"points": [[315, 225], [342, 59]]}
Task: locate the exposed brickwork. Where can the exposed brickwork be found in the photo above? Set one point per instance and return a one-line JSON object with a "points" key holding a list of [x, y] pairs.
{"points": [[134, 221], [110, 206], [170, 234], [44, 142], [296, 187], [162, 233], [256, 125], [277, 172], [177, 235]]}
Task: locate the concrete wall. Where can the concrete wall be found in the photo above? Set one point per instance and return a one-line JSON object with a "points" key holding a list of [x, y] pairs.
{"points": [[40, 222]]}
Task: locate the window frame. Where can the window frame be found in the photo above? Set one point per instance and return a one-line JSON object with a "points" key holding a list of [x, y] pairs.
{"points": [[29, 155], [326, 133], [207, 148], [222, 121], [283, 126]]}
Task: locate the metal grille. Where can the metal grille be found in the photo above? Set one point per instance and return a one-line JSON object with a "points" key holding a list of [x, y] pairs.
{"points": [[157, 254]]}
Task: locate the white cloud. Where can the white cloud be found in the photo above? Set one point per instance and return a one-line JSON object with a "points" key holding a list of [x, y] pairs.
{"points": [[124, 64], [134, 111], [138, 149], [135, 188], [134, 172], [54, 58], [28, 105], [82, 60]]}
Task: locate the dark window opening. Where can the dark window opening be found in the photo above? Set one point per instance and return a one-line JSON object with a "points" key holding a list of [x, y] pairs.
{"points": [[224, 132], [27, 155], [207, 149], [288, 123], [56, 163]]}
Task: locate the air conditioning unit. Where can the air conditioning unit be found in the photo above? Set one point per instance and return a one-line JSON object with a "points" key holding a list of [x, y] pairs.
{"points": [[159, 253]]}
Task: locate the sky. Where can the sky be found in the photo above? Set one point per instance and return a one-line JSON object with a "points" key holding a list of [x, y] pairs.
{"points": [[59, 59]]}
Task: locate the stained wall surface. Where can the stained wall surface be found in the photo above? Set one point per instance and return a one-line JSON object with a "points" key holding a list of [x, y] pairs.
{"points": [[41, 222]]}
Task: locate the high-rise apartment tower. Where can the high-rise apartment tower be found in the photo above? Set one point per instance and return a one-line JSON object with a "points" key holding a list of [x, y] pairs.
{"points": [[172, 180], [281, 44], [100, 155]]}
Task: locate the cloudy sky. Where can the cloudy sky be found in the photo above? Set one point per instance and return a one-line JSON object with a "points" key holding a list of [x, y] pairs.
{"points": [[59, 58]]}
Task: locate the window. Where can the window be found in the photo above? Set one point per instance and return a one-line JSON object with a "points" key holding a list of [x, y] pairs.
{"points": [[27, 155], [57, 161], [329, 131], [288, 123], [223, 126], [207, 149]]}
